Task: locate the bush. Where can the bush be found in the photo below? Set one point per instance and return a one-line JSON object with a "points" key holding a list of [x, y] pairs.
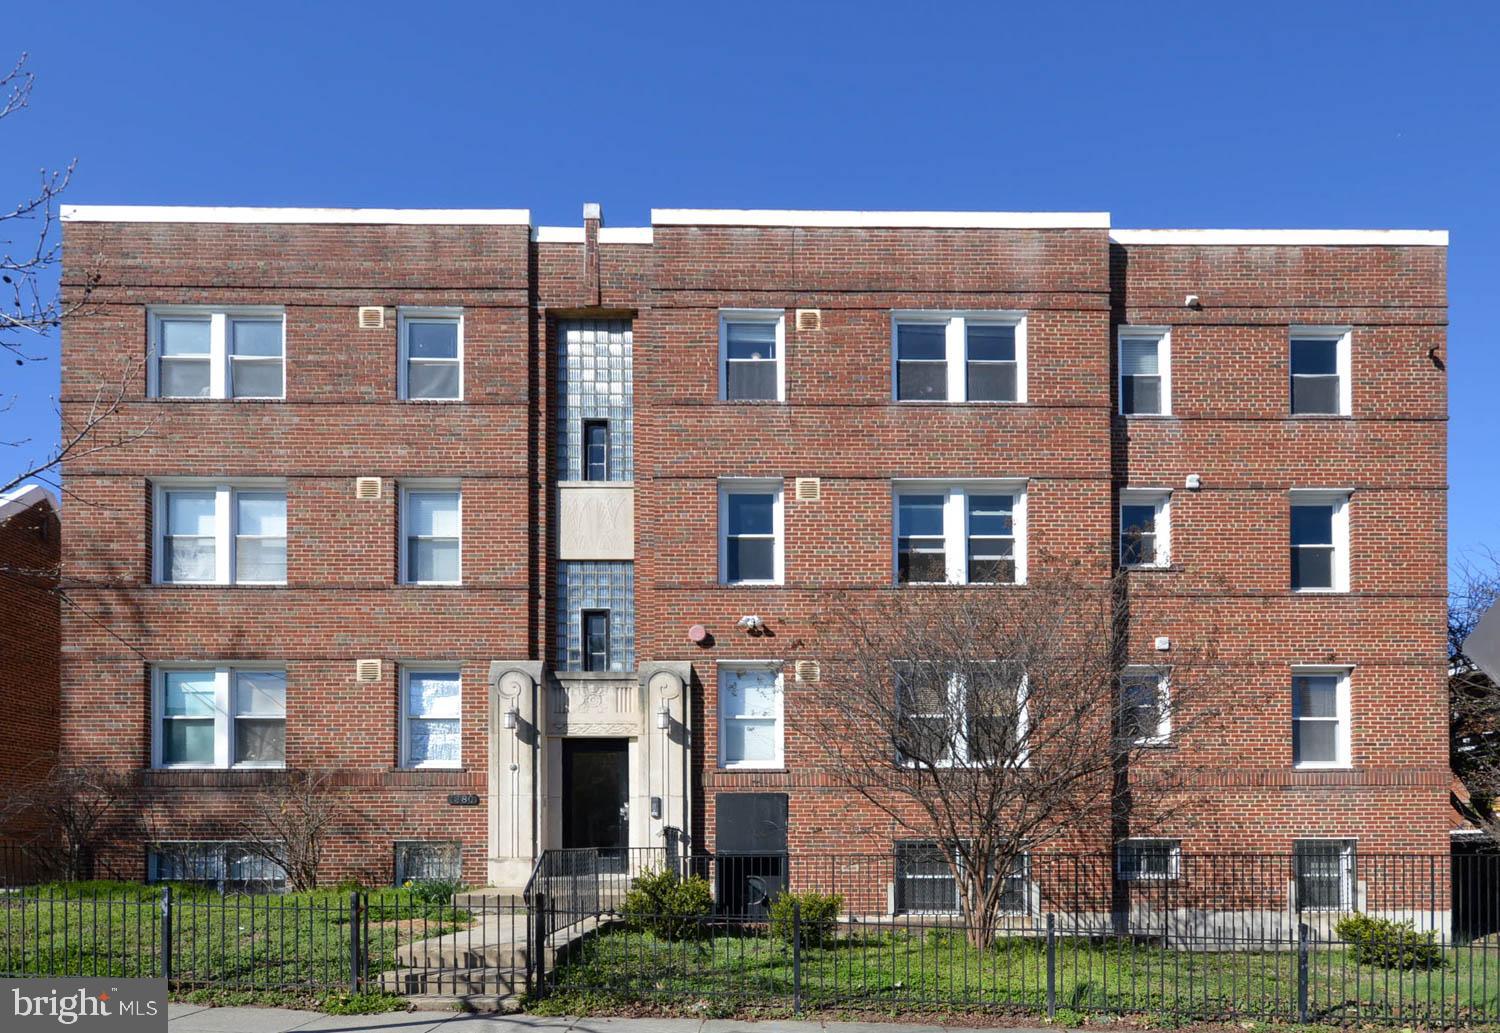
{"points": [[820, 915], [668, 906], [1389, 944], [432, 891]]}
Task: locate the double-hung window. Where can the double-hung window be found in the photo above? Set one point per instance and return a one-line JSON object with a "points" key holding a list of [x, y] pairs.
{"points": [[750, 715], [1320, 363], [1145, 358], [1145, 531], [217, 353], [220, 534], [431, 702], [959, 356], [219, 717], [750, 532], [960, 534], [1324, 874], [432, 535], [432, 354], [926, 883], [1320, 717], [1319, 541], [752, 347], [1148, 860], [971, 715], [1145, 711]]}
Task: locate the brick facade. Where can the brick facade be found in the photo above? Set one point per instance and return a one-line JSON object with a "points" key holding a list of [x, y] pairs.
{"points": [[341, 419], [30, 540]]}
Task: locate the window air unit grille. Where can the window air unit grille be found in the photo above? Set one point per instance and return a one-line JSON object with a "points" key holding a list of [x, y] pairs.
{"points": [[808, 671], [809, 319], [809, 489], [372, 317], [367, 670], [367, 487]]}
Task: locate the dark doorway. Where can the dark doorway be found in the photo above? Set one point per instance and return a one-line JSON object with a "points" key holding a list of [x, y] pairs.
{"points": [[596, 796], [750, 846]]}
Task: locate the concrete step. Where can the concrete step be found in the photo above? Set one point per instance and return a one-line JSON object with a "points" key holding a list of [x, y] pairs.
{"points": [[487, 946], [454, 982], [492, 895], [505, 1004]]}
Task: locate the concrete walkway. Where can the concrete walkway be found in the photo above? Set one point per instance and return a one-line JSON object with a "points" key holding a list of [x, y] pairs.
{"points": [[192, 1018]]}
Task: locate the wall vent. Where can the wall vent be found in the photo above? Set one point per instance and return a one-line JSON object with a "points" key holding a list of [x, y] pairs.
{"points": [[367, 487], [807, 671], [809, 319], [367, 670], [372, 317], [809, 489]]}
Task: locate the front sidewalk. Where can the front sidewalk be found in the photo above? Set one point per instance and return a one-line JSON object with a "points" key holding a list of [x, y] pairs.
{"points": [[192, 1018]]}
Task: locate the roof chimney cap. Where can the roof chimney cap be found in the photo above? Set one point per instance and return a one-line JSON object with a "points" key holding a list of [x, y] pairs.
{"points": [[593, 210]]}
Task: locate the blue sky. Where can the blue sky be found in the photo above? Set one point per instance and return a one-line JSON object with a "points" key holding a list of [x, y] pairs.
{"points": [[1258, 115]]}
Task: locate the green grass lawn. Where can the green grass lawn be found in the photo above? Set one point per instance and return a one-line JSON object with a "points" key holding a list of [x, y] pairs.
{"points": [[934, 969], [261, 942]]}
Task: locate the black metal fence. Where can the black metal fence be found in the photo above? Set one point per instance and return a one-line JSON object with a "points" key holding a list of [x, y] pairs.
{"points": [[1202, 936]]}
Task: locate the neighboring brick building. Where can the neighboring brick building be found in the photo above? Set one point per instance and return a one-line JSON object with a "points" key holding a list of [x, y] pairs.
{"points": [[30, 544], [484, 457]]}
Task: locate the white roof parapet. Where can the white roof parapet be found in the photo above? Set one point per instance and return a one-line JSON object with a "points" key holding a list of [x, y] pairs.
{"points": [[1284, 238], [884, 220], [305, 216]]}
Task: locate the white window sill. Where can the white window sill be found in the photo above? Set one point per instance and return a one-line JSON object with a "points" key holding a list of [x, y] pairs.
{"points": [[430, 767], [219, 584], [431, 401], [1147, 415], [751, 584], [1320, 591], [1319, 766], [432, 584], [780, 768]]}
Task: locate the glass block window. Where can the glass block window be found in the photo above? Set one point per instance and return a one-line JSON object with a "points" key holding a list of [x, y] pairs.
{"points": [[225, 866], [594, 382], [428, 861], [603, 585]]}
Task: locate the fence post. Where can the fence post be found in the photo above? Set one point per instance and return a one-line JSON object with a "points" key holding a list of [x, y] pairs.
{"points": [[1051, 965], [539, 941], [1302, 932], [166, 933], [796, 957], [354, 924]]}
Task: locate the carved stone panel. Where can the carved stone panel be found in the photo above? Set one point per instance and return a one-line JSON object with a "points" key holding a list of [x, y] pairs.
{"points": [[589, 705]]}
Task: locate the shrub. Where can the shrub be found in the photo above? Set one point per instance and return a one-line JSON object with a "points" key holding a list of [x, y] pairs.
{"points": [[432, 891], [666, 905], [819, 918], [1389, 944]]}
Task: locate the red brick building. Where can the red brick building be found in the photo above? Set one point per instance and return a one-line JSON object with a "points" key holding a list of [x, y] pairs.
{"points": [[472, 514], [30, 540]]}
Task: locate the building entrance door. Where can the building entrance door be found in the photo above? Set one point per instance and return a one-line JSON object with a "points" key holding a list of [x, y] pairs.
{"points": [[596, 796]]}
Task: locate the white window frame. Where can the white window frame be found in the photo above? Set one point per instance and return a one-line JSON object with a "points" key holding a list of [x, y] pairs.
{"points": [[739, 666], [752, 486], [404, 559], [957, 706], [220, 360], [1162, 335], [1343, 338], [406, 314], [1344, 706], [1173, 849], [1339, 499], [1348, 852], [224, 714], [1161, 499], [408, 668], [225, 526], [1163, 676], [955, 342], [752, 315], [956, 524]]}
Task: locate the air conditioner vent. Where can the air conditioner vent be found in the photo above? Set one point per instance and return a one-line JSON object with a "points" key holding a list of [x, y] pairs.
{"points": [[809, 489], [372, 317], [807, 671], [367, 487], [367, 670], [809, 319]]}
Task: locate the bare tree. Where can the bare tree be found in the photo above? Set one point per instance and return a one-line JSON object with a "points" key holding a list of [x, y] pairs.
{"points": [[289, 820], [75, 811], [1474, 697], [33, 310], [994, 720]]}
